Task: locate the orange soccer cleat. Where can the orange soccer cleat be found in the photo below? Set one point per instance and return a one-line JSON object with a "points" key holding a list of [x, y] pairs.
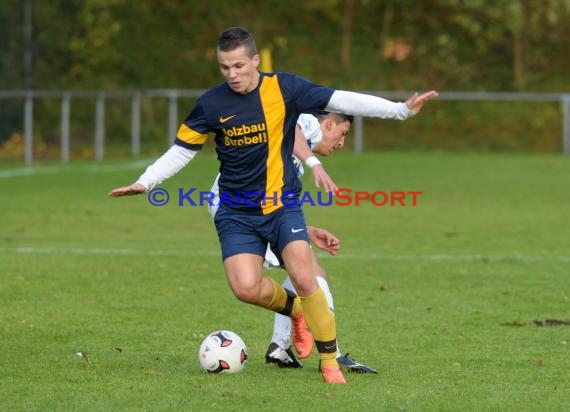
{"points": [[302, 337], [332, 374]]}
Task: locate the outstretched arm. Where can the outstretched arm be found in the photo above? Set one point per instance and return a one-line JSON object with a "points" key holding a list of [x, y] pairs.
{"points": [[416, 102], [130, 190], [360, 104], [170, 163], [304, 153]]}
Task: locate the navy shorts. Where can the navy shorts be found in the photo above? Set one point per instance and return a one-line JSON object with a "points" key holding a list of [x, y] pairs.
{"points": [[243, 232]]}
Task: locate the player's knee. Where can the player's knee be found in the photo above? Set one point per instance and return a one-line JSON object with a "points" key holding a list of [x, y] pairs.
{"points": [[305, 286], [250, 293], [247, 295]]}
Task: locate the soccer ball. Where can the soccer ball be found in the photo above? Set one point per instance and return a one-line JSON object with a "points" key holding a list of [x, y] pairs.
{"points": [[223, 351]]}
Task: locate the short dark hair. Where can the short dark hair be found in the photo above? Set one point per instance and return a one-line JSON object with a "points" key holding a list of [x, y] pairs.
{"points": [[235, 37], [339, 117]]}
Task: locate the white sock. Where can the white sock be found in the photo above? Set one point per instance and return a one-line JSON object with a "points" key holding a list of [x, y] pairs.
{"points": [[287, 284], [282, 331], [282, 324]]}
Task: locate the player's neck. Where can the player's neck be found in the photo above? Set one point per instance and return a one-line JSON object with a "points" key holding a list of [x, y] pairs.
{"points": [[254, 83]]}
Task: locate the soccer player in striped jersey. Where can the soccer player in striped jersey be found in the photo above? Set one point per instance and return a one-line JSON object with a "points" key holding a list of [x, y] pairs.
{"points": [[253, 116], [323, 133]]}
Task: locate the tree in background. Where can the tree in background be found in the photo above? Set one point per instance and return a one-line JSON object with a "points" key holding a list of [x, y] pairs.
{"points": [[511, 45], [453, 44]]}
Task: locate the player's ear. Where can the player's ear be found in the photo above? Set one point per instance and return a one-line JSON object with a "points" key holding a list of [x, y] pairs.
{"points": [[256, 60]]}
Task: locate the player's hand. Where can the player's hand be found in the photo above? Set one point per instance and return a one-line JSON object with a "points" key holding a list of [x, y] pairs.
{"points": [[133, 189], [416, 102], [324, 240], [321, 177]]}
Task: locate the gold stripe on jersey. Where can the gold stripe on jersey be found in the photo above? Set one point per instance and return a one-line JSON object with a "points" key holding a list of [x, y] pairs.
{"points": [[191, 136], [274, 111]]}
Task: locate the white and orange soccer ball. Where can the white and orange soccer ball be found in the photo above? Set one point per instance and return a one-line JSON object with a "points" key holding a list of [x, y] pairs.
{"points": [[223, 351]]}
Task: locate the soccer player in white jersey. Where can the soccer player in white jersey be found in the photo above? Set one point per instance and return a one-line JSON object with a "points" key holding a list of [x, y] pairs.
{"points": [[324, 133]]}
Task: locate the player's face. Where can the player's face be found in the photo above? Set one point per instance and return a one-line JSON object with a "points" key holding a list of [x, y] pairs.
{"points": [[239, 69], [333, 136]]}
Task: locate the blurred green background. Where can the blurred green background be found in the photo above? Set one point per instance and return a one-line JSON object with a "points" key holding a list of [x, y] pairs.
{"points": [[364, 45]]}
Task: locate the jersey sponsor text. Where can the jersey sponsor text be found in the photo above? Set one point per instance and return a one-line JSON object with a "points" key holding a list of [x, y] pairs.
{"points": [[245, 135]]}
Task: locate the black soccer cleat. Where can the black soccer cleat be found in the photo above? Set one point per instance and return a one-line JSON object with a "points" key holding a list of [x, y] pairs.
{"points": [[353, 366], [284, 358]]}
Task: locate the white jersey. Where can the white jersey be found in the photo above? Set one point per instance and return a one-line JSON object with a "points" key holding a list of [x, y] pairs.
{"points": [[311, 129]]}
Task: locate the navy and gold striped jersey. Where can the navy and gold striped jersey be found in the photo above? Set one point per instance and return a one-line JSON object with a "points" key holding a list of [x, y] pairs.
{"points": [[254, 135]]}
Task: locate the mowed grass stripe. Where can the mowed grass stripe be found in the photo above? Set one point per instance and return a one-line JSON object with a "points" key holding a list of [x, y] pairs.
{"points": [[210, 253]]}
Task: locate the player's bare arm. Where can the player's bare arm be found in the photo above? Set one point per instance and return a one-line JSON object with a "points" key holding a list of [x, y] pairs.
{"points": [[304, 153], [323, 239]]}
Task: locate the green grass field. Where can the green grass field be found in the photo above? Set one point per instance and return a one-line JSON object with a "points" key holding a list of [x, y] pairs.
{"points": [[442, 298]]}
